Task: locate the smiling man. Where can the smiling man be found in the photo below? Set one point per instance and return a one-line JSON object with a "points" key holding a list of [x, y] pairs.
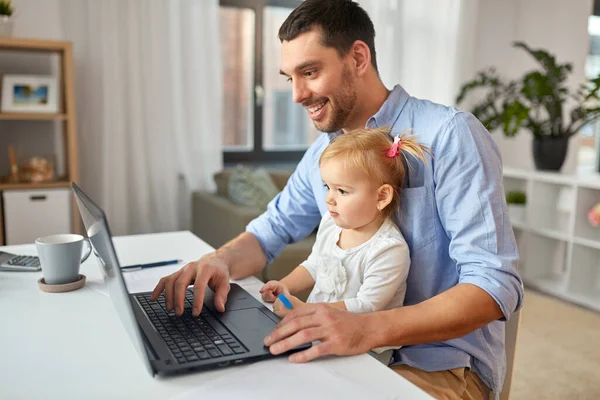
{"points": [[463, 282]]}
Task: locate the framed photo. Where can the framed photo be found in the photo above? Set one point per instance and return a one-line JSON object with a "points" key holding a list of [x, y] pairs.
{"points": [[29, 94]]}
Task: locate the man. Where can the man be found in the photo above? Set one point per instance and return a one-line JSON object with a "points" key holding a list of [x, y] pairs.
{"points": [[463, 283]]}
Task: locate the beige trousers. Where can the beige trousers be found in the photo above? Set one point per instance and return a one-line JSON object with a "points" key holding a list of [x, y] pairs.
{"points": [[459, 383]]}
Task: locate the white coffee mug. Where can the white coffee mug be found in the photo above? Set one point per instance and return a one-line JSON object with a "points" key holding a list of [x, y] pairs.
{"points": [[60, 257]]}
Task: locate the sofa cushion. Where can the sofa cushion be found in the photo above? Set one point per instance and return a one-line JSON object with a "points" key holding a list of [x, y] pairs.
{"points": [[251, 188]]}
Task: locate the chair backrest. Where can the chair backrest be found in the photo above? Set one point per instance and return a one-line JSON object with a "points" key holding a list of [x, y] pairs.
{"points": [[510, 343]]}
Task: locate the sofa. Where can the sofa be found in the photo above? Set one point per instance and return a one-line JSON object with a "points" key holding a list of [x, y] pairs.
{"points": [[216, 219]]}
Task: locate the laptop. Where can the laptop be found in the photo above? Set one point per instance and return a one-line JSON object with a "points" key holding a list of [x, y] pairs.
{"points": [[168, 344]]}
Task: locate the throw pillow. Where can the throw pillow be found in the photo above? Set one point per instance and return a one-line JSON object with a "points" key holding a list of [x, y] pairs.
{"points": [[251, 188]]}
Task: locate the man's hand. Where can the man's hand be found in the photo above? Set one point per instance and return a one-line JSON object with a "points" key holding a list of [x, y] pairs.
{"points": [[281, 311], [272, 289], [209, 270], [341, 333]]}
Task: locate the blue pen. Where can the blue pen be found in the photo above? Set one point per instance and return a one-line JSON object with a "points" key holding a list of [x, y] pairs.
{"points": [[285, 301], [151, 265]]}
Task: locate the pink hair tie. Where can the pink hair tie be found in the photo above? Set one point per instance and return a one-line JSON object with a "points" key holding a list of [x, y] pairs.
{"points": [[394, 151]]}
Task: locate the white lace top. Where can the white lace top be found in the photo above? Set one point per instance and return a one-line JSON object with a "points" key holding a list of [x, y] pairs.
{"points": [[369, 277]]}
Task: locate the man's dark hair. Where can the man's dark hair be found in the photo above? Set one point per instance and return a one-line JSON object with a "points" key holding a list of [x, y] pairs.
{"points": [[341, 23]]}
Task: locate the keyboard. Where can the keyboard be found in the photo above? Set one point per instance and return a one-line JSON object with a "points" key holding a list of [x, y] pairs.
{"points": [[13, 262], [190, 339]]}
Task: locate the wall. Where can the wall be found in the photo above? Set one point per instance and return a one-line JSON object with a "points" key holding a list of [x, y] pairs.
{"points": [[557, 25]]}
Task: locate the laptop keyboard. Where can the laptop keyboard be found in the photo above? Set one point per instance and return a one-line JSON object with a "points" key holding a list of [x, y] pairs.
{"points": [[190, 339]]}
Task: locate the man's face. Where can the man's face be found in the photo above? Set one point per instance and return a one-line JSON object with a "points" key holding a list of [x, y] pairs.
{"points": [[321, 81], [351, 196]]}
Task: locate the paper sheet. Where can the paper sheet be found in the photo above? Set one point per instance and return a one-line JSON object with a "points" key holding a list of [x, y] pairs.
{"points": [[279, 379], [145, 280]]}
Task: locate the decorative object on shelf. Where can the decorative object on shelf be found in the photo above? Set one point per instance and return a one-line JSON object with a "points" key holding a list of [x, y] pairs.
{"points": [[29, 94], [36, 170], [537, 102], [516, 201], [13, 177], [6, 18], [594, 216]]}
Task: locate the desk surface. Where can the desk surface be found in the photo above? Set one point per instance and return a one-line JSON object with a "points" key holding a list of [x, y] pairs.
{"points": [[72, 345]]}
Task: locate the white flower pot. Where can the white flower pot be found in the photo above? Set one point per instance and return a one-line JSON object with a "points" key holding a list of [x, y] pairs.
{"points": [[516, 212], [6, 25]]}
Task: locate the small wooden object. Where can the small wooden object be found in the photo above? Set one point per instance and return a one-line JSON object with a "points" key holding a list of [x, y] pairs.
{"points": [[14, 167]]}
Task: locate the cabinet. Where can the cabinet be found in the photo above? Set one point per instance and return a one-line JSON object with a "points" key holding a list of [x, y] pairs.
{"points": [[30, 214], [65, 119], [559, 248]]}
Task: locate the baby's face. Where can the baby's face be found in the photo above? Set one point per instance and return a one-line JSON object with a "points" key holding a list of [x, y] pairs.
{"points": [[351, 197]]}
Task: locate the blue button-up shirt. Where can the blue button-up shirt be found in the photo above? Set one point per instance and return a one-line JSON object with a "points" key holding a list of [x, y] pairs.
{"points": [[453, 217]]}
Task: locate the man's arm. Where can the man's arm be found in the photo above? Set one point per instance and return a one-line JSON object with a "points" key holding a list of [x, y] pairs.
{"points": [[293, 214], [343, 333], [243, 255], [471, 205], [449, 315]]}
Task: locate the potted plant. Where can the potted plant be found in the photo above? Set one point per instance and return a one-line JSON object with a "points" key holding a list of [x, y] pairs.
{"points": [[6, 22], [516, 200], [536, 102]]}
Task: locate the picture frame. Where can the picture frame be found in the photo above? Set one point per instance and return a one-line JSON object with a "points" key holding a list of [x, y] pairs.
{"points": [[29, 94]]}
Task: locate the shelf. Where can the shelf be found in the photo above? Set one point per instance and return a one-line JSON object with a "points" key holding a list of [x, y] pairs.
{"points": [[36, 45], [586, 199], [550, 209], [594, 244], [589, 180], [62, 145], [32, 116], [584, 179], [515, 173], [592, 302], [550, 233], [584, 282], [31, 186], [518, 224], [544, 259]]}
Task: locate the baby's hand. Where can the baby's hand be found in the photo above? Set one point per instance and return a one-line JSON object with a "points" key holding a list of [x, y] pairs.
{"points": [[272, 289], [281, 311]]}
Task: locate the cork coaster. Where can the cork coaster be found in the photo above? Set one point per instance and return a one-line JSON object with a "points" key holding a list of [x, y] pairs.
{"points": [[65, 287]]}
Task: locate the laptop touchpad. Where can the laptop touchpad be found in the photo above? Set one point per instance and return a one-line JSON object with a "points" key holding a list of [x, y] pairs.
{"points": [[250, 319]]}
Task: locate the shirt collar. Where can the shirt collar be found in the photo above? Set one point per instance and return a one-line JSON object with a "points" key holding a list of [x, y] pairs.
{"points": [[387, 114]]}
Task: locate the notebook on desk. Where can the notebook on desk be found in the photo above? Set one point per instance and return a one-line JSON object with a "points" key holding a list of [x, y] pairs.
{"points": [[169, 344]]}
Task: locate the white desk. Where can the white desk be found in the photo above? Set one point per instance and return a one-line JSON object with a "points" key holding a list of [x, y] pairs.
{"points": [[72, 345]]}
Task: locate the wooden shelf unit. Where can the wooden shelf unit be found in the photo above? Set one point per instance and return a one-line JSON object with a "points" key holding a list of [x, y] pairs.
{"points": [[66, 115], [30, 186], [32, 117]]}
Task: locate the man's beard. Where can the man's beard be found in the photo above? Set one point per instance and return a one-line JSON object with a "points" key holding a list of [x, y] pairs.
{"points": [[345, 100]]}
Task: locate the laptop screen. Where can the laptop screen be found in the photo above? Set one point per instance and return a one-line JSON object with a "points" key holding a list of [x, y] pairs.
{"points": [[98, 232]]}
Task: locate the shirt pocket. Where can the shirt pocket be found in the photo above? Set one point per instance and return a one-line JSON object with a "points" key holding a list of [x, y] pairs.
{"points": [[417, 217]]}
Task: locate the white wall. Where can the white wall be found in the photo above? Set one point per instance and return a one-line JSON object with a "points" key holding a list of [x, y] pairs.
{"points": [[559, 26], [37, 19]]}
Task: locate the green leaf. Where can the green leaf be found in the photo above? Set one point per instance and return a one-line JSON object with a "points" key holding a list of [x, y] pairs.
{"points": [[6, 8]]}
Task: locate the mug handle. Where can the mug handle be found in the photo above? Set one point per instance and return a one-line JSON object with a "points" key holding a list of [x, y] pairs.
{"points": [[89, 251]]}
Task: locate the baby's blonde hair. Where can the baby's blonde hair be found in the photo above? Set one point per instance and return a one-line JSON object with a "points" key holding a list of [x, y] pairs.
{"points": [[366, 149]]}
